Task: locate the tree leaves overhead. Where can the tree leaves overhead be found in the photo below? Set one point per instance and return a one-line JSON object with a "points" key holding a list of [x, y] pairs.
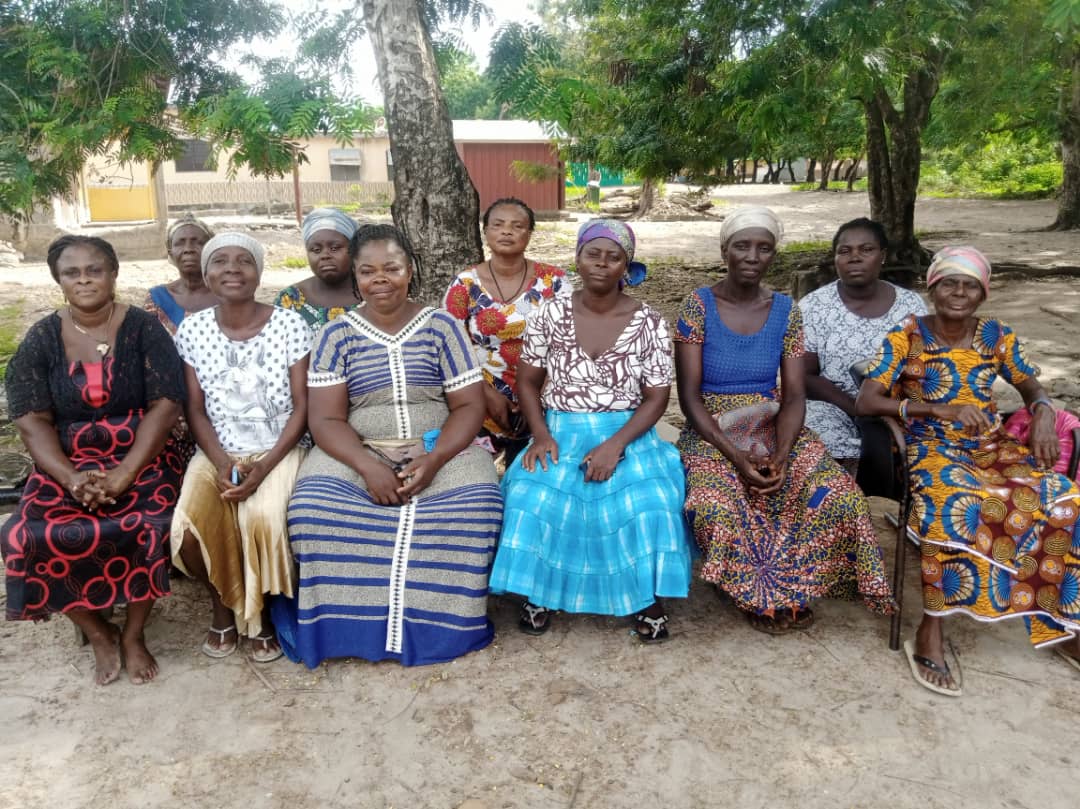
{"points": [[81, 75], [264, 127]]}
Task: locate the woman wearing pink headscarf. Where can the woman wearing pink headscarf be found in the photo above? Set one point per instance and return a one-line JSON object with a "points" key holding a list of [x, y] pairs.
{"points": [[998, 526]]}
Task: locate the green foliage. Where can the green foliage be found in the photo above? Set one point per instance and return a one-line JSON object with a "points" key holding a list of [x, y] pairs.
{"points": [[527, 171], [81, 76], [11, 325], [262, 127], [468, 94], [295, 262], [806, 247], [834, 185], [1003, 168]]}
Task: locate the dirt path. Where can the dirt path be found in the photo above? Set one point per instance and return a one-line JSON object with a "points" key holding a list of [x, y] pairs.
{"points": [[582, 717]]}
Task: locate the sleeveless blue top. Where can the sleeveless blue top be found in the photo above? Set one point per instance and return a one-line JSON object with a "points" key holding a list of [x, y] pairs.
{"points": [[734, 363], [164, 301]]}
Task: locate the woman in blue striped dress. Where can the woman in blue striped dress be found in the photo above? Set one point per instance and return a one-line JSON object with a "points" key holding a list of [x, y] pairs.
{"points": [[594, 511], [396, 512]]}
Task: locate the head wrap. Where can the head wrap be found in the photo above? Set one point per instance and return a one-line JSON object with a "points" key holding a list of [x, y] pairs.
{"points": [[187, 219], [327, 219], [622, 235], [233, 239], [751, 216], [959, 260]]}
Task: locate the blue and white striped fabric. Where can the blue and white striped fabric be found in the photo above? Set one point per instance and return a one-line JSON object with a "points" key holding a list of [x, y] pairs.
{"points": [[357, 574], [609, 548], [406, 583]]}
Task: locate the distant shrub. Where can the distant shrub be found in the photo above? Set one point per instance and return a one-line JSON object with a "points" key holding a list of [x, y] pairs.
{"points": [[1001, 168]]}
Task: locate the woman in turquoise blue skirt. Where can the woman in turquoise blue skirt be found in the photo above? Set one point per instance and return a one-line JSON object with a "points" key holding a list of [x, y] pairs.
{"points": [[593, 512]]}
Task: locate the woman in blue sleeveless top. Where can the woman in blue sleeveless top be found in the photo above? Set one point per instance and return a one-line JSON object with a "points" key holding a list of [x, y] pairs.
{"points": [[188, 294], [778, 521]]}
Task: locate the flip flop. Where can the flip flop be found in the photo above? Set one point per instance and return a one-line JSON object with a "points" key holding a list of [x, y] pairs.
{"points": [[915, 661], [534, 620], [218, 652], [266, 655], [1068, 658]]}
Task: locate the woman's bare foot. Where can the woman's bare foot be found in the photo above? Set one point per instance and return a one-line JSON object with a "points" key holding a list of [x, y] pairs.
{"points": [[930, 643], [107, 661], [140, 664]]}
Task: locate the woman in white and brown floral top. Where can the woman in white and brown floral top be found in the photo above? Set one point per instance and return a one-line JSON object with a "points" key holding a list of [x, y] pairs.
{"points": [[592, 520]]}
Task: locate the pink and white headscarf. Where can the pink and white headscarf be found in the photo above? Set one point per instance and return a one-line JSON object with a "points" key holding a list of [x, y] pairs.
{"points": [[959, 260]]}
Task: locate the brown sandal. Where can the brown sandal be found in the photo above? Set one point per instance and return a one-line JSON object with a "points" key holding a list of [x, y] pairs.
{"points": [[769, 624]]}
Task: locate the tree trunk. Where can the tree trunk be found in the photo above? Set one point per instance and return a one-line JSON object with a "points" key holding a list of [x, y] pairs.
{"points": [[648, 198], [742, 177], [768, 171], [1068, 215], [894, 151], [729, 171], [811, 170], [836, 169], [435, 202], [853, 172], [753, 174], [826, 168], [297, 200], [790, 170]]}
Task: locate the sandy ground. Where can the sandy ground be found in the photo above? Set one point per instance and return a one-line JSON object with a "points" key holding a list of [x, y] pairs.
{"points": [[721, 716]]}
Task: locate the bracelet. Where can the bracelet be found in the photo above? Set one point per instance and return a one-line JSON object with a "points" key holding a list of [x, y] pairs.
{"points": [[1042, 400], [901, 411]]}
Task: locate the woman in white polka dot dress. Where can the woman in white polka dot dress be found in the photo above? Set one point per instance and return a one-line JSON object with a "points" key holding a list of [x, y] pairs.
{"points": [[245, 368]]}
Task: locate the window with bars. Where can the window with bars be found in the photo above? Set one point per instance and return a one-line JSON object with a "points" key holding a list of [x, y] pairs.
{"points": [[198, 156]]}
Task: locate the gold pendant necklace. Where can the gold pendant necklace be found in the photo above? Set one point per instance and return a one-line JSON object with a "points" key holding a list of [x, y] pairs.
{"points": [[102, 346]]}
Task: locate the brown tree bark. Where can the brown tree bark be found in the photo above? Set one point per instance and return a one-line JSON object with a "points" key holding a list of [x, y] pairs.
{"points": [[811, 170], [853, 172], [1068, 215], [826, 169], [894, 152], [435, 202], [648, 198]]}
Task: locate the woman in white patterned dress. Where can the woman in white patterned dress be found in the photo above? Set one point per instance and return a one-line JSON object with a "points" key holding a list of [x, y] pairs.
{"points": [[245, 367], [844, 323]]}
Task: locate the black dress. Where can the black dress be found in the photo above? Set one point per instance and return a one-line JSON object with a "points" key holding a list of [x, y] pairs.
{"points": [[57, 555]]}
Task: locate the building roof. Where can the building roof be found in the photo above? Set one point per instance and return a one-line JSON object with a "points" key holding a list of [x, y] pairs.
{"points": [[500, 132]]}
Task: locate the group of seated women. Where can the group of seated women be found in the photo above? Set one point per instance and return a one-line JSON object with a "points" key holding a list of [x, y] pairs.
{"points": [[342, 498]]}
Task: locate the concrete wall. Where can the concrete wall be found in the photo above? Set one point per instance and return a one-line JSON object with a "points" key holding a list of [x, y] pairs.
{"points": [[317, 169]]}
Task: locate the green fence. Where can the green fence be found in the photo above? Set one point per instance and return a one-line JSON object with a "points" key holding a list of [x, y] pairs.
{"points": [[579, 175]]}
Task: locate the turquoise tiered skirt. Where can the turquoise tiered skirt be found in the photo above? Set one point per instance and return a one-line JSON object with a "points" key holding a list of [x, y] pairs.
{"points": [[609, 548]]}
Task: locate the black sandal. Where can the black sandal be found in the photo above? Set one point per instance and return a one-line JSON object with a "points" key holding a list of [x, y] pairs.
{"points": [[535, 620], [657, 628]]}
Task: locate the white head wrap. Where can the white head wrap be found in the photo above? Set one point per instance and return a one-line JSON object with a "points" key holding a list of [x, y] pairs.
{"points": [[327, 219], [233, 239], [751, 216]]}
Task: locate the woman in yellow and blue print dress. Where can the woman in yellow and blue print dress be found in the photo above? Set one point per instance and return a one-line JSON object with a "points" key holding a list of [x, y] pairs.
{"points": [[998, 526]]}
